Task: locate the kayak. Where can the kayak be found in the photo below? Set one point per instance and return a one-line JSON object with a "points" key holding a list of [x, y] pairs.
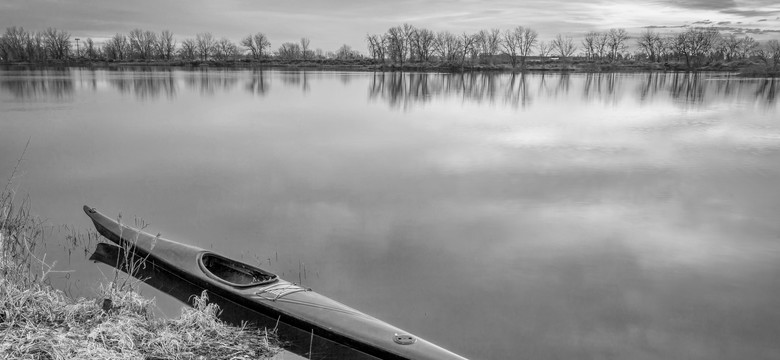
{"points": [[308, 323]]}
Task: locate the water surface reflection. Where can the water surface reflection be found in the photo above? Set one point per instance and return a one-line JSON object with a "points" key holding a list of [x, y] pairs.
{"points": [[144, 85], [38, 84], [549, 216], [405, 90]]}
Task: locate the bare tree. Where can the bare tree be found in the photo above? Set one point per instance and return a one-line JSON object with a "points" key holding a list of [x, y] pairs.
{"points": [[544, 49], [666, 46], [601, 44], [262, 43], [407, 32], [142, 43], [649, 42], [488, 43], [166, 45], [289, 51], [564, 46], [231, 51], [684, 46], [659, 44], [256, 44], [57, 43], [617, 42], [446, 45], [695, 44], [518, 42], [527, 42], [376, 46], [589, 44], [511, 46], [493, 43], [188, 50], [305, 48], [708, 40], [396, 44], [747, 46], [117, 48], [729, 45], [468, 44], [423, 40], [773, 47], [13, 44], [224, 49], [705, 43], [482, 42], [204, 45], [36, 48], [763, 54], [89, 49], [249, 43], [345, 52]]}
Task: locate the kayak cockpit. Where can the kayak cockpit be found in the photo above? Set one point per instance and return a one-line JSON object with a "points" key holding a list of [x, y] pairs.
{"points": [[234, 273]]}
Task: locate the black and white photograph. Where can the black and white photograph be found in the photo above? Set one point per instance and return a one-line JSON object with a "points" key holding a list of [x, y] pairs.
{"points": [[402, 180]]}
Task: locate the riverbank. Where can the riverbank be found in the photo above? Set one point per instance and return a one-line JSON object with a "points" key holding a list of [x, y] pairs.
{"points": [[575, 65], [40, 322]]}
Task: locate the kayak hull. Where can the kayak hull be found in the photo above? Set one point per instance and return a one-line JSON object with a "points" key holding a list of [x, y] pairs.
{"points": [[295, 339], [308, 323]]}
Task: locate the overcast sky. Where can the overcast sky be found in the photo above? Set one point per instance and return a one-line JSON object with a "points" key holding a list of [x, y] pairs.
{"points": [[331, 23]]}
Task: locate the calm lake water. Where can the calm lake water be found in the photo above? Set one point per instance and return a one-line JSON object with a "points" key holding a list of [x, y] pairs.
{"points": [[545, 216]]}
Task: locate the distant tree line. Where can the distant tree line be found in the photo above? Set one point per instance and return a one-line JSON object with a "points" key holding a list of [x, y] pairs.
{"points": [[19, 45], [695, 46], [402, 45], [16, 44]]}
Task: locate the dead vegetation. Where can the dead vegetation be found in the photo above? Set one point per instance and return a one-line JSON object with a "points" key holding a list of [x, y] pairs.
{"points": [[40, 322]]}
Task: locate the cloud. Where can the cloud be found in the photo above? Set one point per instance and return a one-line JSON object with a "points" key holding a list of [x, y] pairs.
{"points": [[701, 4], [721, 26], [753, 8], [665, 26], [761, 31], [750, 12], [743, 30]]}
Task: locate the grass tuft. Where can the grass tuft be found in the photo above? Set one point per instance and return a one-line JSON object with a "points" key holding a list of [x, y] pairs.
{"points": [[40, 322]]}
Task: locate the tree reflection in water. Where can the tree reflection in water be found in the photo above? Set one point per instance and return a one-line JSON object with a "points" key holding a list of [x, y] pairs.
{"points": [[210, 81], [406, 90], [39, 83], [144, 83], [295, 79], [257, 84], [402, 90]]}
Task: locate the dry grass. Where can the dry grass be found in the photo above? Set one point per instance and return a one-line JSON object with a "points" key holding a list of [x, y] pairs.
{"points": [[40, 322]]}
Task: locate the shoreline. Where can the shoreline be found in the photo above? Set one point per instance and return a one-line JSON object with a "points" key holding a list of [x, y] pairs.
{"points": [[742, 68], [40, 321]]}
